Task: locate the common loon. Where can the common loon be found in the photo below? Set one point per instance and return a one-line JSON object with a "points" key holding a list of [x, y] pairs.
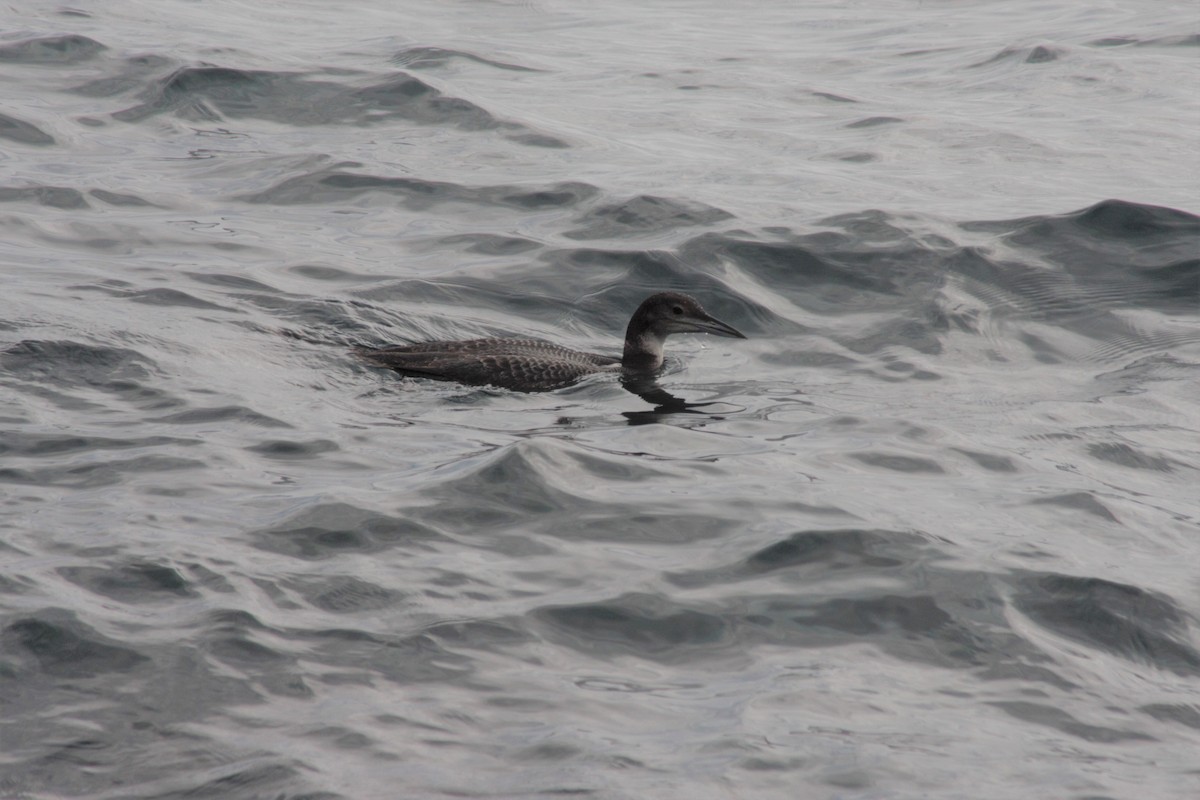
{"points": [[533, 365]]}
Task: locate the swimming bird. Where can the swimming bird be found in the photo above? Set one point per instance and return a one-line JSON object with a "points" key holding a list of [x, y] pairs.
{"points": [[534, 365]]}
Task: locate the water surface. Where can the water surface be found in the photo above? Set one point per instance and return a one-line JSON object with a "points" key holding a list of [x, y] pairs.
{"points": [[934, 534]]}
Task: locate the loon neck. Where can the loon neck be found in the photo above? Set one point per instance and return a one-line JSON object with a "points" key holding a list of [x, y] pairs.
{"points": [[643, 349]]}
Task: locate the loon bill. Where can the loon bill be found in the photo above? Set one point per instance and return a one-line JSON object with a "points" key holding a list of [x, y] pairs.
{"points": [[533, 365]]}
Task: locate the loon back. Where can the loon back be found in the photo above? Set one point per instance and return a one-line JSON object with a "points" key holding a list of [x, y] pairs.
{"points": [[533, 365], [522, 365]]}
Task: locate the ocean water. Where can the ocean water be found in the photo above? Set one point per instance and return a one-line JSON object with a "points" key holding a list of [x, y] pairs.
{"points": [[931, 531]]}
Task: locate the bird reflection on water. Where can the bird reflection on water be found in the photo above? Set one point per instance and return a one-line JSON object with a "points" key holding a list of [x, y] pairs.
{"points": [[665, 403]]}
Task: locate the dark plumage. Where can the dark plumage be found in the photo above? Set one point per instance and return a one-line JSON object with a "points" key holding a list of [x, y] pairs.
{"points": [[533, 365]]}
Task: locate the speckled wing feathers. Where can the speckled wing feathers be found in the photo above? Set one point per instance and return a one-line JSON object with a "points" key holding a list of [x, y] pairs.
{"points": [[523, 365]]}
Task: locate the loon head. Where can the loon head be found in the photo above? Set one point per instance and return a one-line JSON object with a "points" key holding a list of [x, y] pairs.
{"points": [[661, 315]]}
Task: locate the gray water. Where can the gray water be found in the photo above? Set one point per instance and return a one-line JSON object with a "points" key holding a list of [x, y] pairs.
{"points": [[935, 534]]}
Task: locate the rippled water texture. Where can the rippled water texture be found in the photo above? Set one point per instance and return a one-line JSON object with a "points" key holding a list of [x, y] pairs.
{"points": [[931, 531]]}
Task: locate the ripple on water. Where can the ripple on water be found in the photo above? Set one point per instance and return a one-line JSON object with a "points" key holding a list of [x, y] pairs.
{"points": [[820, 551], [1116, 618], [63, 197], [336, 185], [211, 93], [427, 57], [329, 530], [647, 626], [133, 582], [71, 363], [18, 130], [55, 642], [644, 214], [93, 473], [69, 48]]}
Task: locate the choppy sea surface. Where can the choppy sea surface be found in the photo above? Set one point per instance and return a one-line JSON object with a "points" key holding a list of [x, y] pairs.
{"points": [[931, 531]]}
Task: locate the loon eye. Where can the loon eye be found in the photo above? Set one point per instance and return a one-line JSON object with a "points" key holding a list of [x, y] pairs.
{"points": [[677, 310]]}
